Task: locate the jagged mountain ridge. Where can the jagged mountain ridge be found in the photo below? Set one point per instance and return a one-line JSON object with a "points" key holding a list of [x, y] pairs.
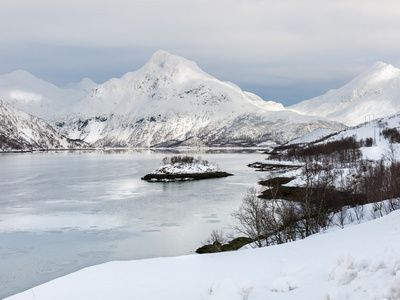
{"points": [[170, 101], [20, 131], [373, 94]]}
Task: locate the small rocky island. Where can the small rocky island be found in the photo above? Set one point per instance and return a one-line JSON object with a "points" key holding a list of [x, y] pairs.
{"points": [[184, 168]]}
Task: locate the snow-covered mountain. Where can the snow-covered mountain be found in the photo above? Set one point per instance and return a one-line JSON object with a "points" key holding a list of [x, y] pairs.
{"points": [[40, 98], [170, 101], [23, 132], [373, 94]]}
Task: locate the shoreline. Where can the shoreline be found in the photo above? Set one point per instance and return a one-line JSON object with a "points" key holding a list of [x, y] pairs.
{"points": [[184, 176]]}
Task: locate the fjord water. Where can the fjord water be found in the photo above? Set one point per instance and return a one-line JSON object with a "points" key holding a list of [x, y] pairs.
{"points": [[60, 212]]}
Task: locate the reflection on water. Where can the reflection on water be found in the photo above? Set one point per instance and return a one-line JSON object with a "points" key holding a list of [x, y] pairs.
{"points": [[63, 211]]}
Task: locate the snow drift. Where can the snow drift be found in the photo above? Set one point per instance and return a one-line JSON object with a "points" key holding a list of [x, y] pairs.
{"points": [[358, 262]]}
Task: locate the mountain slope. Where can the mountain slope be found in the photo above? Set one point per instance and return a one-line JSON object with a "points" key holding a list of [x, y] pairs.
{"points": [[24, 91], [170, 101], [20, 131], [373, 94]]}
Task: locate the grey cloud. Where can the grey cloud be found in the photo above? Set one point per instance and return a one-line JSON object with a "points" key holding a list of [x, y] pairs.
{"points": [[294, 46]]}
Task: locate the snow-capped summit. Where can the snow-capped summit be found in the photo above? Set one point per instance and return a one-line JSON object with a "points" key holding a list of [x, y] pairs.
{"points": [[167, 83], [375, 93], [170, 101], [86, 84], [380, 72], [174, 65]]}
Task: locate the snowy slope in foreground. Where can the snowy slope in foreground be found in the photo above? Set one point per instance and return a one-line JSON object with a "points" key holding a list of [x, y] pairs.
{"points": [[375, 92], [358, 262]]}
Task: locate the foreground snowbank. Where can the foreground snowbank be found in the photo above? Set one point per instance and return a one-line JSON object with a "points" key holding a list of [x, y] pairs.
{"points": [[358, 262]]}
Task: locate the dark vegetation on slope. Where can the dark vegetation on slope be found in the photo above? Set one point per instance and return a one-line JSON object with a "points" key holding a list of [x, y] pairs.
{"points": [[184, 177], [218, 246], [8, 143], [342, 151], [336, 183]]}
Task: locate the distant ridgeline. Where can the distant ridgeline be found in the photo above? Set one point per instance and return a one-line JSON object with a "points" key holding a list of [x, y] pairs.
{"points": [[184, 168]]}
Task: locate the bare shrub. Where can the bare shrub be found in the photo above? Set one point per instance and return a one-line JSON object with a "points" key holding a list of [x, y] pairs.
{"points": [[184, 160], [359, 212], [251, 216], [392, 135], [343, 216], [391, 205], [216, 239], [165, 161]]}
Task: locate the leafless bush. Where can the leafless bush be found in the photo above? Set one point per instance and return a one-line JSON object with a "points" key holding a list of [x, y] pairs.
{"points": [[216, 239], [392, 153], [318, 201], [391, 205], [377, 210], [392, 135], [359, 212], [251, 216], [165, 161], [184, 160], [343, 216], [267, 222]]}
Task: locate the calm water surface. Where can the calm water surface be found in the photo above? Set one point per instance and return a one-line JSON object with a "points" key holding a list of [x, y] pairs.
{"points": [[60, 212]]}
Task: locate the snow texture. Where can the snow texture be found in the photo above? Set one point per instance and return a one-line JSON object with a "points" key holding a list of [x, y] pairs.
{"points": [[312, 136], [359, 262], [168, 102], [24, 91], [373, 94], [23, 132], [185, 168]]}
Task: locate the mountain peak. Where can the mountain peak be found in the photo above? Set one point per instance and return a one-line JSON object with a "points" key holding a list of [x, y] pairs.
{"points": [[374, 92], [380, 71], [162, 61], [21, 73], [161, 57], [18, 75]]}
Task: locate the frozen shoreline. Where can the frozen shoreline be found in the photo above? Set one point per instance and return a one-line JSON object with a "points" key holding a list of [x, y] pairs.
{"points": [[358, 262]]}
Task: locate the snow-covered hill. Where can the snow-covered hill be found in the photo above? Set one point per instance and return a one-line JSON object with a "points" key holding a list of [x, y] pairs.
{"points": [[358, 262], [373, 94], [170, 101], [188, 168], [372, 130], [24, 91], [20, 131]]}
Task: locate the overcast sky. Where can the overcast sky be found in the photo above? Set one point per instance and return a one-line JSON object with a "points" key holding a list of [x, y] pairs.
{"points": [[282, 50]]}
